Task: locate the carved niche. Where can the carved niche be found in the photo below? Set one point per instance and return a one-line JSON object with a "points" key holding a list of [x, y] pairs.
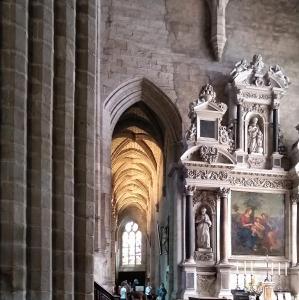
{"points": [[255, 93], [204, 205]]}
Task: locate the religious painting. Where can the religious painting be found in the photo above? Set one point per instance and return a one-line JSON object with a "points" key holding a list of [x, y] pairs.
{"points": [[257, 224]]}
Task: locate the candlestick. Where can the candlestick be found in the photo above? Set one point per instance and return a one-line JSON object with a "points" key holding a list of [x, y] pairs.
{"points": [[286, 269], [237, 267], [251, 267], [279, 268]]}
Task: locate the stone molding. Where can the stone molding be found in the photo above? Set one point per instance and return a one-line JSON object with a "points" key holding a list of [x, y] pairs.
{"points": [[210, 174]]}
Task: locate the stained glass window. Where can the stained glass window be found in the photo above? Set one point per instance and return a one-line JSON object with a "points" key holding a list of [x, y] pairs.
{"points": [[131, 244]]}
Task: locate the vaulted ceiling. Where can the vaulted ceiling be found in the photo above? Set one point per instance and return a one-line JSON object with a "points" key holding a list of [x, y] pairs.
{"points": [[136, 159]]}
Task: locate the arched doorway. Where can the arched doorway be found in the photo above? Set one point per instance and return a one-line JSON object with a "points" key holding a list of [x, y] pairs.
{"points": [[137, 180], [137, 115]]}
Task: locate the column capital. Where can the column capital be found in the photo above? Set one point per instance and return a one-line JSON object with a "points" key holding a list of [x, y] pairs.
{"points": [[223, 192], [275, 104], [189, 189], [239, 100], [294, 198]]}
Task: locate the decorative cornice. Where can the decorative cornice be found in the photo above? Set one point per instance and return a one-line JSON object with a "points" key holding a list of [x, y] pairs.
{"points": [[207, 175], [225, 176]]}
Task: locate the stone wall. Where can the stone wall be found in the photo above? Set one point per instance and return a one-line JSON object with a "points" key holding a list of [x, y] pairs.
{"points": [[168, 43]]}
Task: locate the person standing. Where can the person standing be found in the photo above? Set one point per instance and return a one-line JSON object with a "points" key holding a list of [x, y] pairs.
{"points": [[162, 292], [148, 291], [123, 292]]}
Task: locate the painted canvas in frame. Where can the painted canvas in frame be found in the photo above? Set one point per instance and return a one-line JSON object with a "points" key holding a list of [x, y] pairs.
{"points": [[258, 223]]}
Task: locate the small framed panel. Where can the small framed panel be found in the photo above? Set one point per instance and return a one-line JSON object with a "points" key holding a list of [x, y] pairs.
{"points": [[258, 223], [208, 129]]}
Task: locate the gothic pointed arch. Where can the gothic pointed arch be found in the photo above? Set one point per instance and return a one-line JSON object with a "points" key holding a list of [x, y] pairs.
{"points": [[142, 89], [140, 125]]}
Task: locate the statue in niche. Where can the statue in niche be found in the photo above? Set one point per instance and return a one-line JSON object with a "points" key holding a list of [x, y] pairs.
{"points": [[255, 137], [203, 224]]}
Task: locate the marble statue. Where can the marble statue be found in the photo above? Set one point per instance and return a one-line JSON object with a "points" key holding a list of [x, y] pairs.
{"points": [[203, 224], [191, 133], [257, 63], [255, 137]]}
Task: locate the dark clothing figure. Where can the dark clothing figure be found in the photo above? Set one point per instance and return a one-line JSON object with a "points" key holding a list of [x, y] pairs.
{"points": [[162, 292]]}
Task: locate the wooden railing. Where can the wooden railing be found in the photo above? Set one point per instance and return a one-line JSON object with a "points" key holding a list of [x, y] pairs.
{"points": [[101, 294]]}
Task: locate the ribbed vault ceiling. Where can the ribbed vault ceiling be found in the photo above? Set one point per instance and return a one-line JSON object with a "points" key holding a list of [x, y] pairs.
{"points": [[136, 159]]}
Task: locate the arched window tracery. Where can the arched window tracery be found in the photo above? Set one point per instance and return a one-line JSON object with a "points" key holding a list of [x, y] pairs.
{"points": [[131, 244]]}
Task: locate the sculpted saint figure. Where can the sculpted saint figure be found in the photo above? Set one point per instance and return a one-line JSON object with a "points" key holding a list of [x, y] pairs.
{"points": [[203, 223], [255, 137]]}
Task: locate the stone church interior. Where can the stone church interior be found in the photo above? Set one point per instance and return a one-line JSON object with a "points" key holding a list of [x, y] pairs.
{"points": [[149, 149]]}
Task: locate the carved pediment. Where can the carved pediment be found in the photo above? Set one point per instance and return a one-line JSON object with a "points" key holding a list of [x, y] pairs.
{"points": [[208, 154], [256, 73]]}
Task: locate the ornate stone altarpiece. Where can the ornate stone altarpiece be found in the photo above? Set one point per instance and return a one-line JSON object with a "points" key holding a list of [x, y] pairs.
{"points": [[246, 154]]}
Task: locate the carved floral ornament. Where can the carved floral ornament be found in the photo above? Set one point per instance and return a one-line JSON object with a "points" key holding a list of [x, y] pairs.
{"points": [[249, 180], [208, 154], [203, 256], [202, 197]]}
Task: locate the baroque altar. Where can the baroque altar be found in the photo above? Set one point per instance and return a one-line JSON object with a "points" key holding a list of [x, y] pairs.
{"points": [[241, 190]]}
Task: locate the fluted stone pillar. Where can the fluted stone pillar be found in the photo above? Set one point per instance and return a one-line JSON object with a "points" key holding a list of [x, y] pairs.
{"points": [[224, 228], [85, 148], [63, 150], [13, 149], [40, 111], [294, 230], [189, 225]]}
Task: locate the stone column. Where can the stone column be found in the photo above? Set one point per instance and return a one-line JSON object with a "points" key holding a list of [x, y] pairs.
{"points": [[224, 236], [84, 160], [275, 128], [40, 123], [189, 225], [13, 149], [63, 150], [239, 123], [294, 230]]}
